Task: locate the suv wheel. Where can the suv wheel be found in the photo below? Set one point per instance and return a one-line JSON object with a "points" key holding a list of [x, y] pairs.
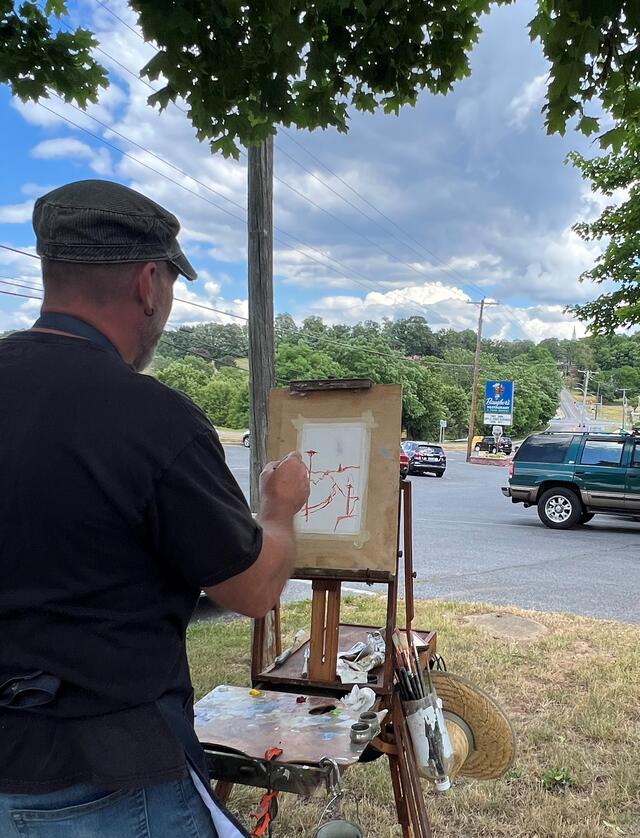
{"points": [[559, 508]]}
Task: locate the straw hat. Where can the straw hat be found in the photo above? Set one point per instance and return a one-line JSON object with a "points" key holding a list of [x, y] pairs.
{"points": [[476, 724]]}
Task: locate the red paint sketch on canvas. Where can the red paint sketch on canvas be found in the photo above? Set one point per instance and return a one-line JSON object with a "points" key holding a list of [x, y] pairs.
{"points": [[337, 489]]}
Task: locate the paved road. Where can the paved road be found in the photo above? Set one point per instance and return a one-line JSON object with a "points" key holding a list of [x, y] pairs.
{"points": [[575, 418], [471, 543]]}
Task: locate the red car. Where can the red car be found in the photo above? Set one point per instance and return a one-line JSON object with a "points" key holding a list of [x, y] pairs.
{"points": [[404, 465]]}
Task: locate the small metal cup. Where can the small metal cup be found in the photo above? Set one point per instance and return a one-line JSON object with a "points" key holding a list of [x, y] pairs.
{"points": [[370, 718], [361, 732]]}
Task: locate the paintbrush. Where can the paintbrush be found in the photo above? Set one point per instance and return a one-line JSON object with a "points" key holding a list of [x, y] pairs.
{"points": [[412, 663], [409, 684]]}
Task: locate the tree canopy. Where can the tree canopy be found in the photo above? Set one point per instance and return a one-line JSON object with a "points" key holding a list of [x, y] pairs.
{"points": [[434, 368], [35, 59], [243, 69], [618, 266]]}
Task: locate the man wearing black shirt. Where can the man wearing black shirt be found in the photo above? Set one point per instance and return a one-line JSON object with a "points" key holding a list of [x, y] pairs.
{"points": [[116, 510]]}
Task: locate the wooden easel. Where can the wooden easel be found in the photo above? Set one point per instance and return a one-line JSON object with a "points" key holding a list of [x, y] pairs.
{"points": [[310, 671], [328, 635]]}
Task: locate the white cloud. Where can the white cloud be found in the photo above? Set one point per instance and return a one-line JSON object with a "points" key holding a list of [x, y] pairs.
{"points": [[16, 213], [54, 112], [16, 271], [207, 296], [34, 190], [20, 266], [445, 307], [530, 98], [98, 159]]}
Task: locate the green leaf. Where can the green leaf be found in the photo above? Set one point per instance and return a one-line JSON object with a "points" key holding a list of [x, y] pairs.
{"points": [[614, 139], [588, 125], [55, 7]]}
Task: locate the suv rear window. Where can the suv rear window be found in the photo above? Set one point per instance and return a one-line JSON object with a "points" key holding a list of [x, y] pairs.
{"points": [[544, 449], [432, 449]]}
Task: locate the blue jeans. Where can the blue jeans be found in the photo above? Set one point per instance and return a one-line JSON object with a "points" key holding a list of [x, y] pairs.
{"points": [[170, 810]]}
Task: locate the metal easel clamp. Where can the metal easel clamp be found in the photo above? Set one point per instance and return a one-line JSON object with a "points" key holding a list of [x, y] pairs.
{"points": [[331, 824]]}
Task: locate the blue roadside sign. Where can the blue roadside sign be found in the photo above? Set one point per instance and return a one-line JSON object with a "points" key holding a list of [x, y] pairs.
{"points": [[498, 403]]}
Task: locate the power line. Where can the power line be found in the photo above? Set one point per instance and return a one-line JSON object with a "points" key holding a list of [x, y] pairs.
{"points": [[15, 284], [344, 273], [122, 21], [15, 294], [139, 162], [21, 252], [395, 356], [204, 185], [293, 332], [246, 319], [211, 308], [372, 243], [466, 283], [312, 174]]}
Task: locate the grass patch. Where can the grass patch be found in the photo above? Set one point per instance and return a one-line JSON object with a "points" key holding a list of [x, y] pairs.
{"points": [[573, 697]]}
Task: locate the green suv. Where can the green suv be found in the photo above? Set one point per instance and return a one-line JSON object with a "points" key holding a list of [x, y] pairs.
{"points": [[571, 476]]}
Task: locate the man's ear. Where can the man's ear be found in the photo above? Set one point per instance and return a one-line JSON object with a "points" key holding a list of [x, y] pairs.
{"points": [[144, 284]]}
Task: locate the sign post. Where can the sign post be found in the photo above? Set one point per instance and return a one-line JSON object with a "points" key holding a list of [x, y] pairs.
{"points": [[443, 425], [498, 403]]}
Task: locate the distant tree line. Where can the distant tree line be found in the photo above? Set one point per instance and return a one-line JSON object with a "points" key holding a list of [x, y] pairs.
{"points": [[614, 361], [434, 368]]}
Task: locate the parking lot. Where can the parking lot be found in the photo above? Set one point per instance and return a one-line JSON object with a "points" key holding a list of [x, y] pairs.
{"points": [[471, 543]]}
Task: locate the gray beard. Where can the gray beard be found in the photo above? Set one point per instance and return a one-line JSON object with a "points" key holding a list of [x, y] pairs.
{"points": [[142, 361], [149, 340]]}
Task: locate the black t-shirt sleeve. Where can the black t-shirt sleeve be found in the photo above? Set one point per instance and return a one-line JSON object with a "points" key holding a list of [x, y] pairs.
{"points": [[200, 522]]}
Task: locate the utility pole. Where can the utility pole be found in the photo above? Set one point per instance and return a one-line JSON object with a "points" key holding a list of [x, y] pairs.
{"points": [[584, 395], [260, 284], [476, 373], [587, 374], [261, 348], [623, 390]]}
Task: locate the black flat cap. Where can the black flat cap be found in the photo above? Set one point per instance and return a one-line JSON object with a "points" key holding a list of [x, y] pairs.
{"points": [[101, 222]]}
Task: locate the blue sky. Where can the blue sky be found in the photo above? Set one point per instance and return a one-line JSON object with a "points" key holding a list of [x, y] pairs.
{"points": [[464, 196]]}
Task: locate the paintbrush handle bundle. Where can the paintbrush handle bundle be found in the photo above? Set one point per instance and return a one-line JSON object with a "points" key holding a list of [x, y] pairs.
{"points": [[407, 667]]}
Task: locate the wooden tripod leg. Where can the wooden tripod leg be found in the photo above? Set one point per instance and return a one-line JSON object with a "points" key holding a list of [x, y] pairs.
{"points": [[407, 551], [325, 630], [401, 803], [409, 777], [266, 643], [223, 791]]}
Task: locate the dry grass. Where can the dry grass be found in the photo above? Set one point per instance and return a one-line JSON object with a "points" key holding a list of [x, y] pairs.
{"points": [[573, 697], [606, 412]]}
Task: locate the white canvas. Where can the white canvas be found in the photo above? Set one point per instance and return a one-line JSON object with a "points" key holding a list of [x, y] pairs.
{"points": [[337, 457]]}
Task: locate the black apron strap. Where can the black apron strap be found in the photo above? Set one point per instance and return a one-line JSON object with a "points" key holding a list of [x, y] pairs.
{"points": [[75, 326]]}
